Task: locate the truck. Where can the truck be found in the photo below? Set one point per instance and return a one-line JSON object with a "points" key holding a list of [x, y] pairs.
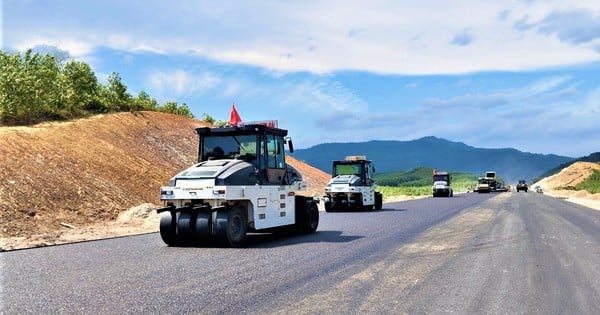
{"points": [[352, 186], [441, 184], [240, 184]]}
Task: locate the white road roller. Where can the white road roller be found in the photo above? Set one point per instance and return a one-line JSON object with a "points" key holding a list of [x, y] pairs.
{"points": [[240, 184], [352, 186]]}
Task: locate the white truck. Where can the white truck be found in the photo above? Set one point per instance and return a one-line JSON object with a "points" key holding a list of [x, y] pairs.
{"points": [[441, 184], [352, 186], [240, 184]]}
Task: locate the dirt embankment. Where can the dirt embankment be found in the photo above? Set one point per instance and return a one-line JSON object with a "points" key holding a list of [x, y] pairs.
{"points": [[96, 177], [558, 184]]}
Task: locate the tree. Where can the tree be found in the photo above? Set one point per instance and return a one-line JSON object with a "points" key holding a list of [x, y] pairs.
{"points": [[207, 118], [174, 108], [117, 97], [143, 101], [29, 87], [42, 78], [36, 87], [80, 87], [11, 89]]}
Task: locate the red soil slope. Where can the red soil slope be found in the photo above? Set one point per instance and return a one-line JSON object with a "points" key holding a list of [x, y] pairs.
{"points": [[89, 171]]}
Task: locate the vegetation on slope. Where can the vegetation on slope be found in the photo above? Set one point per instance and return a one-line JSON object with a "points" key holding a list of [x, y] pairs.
{"points": [[591, 184], [418, 182], [38, 87]]}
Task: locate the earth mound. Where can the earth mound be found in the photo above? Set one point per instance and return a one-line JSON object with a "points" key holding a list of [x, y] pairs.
{"points": [[561, 185]]}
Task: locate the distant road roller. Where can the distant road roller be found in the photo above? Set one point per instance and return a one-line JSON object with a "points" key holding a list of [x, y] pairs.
{"points": [[352, 186]]}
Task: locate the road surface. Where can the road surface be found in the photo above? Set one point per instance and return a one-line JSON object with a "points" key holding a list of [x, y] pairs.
{"points": [[504, 253]]}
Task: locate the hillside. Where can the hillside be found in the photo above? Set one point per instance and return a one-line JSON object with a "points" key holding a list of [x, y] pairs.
{"points": [[62, 178], [594, 157], [560, 184], [432, 152]]}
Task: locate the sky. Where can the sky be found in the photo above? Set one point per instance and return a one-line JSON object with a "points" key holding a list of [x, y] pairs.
{"points": [[521, 74]]}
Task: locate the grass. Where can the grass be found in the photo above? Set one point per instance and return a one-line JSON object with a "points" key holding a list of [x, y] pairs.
{"points": [[591, 184], [389, 191], [418, 182]]}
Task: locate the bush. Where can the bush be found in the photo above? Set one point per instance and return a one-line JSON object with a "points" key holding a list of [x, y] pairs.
{"points": [[591, 184]]}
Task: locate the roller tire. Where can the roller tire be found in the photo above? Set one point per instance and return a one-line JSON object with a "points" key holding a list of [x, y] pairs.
{"points": [[168, 229], [237, 226], [329, 206], [203, 227], [219, 226], [378, 201], [184, 225], [309, 219]]}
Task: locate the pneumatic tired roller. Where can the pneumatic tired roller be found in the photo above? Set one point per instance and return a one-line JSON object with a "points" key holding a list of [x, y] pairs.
{"points": [[240, 184], [352, 186]]}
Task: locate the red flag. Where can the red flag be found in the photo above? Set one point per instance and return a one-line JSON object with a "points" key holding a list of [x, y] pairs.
{"points": [[234, 118]]}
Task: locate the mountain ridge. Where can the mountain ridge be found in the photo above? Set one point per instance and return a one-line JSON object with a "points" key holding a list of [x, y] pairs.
{"points": [[434, 152]]}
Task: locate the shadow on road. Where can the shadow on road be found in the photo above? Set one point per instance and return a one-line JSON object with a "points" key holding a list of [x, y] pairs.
{"points": [[391, 209], [278, 239], [285, 239], [365, 211]]}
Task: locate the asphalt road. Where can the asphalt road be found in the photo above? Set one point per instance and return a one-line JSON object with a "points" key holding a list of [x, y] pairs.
{"points": [[503, 253]]}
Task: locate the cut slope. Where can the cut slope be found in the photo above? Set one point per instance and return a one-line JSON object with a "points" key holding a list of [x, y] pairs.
{"points": [[560, 184], [94, 173], [314, 177], [88, 170], [569, 176]]}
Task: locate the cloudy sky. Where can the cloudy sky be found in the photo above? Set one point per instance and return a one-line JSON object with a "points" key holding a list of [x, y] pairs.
{"points": [[523, 74]]}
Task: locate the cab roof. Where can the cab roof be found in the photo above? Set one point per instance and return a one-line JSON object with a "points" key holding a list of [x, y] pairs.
{"points": [[244, 129]]}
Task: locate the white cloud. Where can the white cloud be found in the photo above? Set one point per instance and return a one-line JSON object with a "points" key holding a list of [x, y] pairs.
{"points": [[575, 26], [179, 82], [325, 36]]}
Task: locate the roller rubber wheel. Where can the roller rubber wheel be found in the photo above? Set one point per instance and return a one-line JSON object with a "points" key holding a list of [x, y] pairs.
{"points": [[329, 206], [310, 218], [237, 226], [184, 225], [219, 226], [203, 228], [378, 201], [168, 229]]}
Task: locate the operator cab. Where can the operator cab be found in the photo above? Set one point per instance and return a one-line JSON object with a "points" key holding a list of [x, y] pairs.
{"points": [[261, 145], [355, 165]]}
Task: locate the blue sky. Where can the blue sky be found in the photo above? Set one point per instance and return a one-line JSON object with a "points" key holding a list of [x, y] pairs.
{"points": [[523, 74]]}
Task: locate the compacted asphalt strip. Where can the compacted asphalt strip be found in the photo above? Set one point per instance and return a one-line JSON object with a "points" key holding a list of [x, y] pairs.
{"points": [[473, 253]]}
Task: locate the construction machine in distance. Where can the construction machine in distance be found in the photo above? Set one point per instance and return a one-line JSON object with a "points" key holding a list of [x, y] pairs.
{"points": [[492, 180], [483, 185], [352, 186], [441, 184], [240, 184]]}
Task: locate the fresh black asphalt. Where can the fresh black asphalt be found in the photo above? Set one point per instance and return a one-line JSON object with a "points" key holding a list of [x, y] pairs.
{"points": [[499, 253]]}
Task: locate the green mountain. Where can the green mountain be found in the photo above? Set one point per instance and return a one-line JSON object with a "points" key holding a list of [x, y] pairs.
{"points": [[440, 154]]}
